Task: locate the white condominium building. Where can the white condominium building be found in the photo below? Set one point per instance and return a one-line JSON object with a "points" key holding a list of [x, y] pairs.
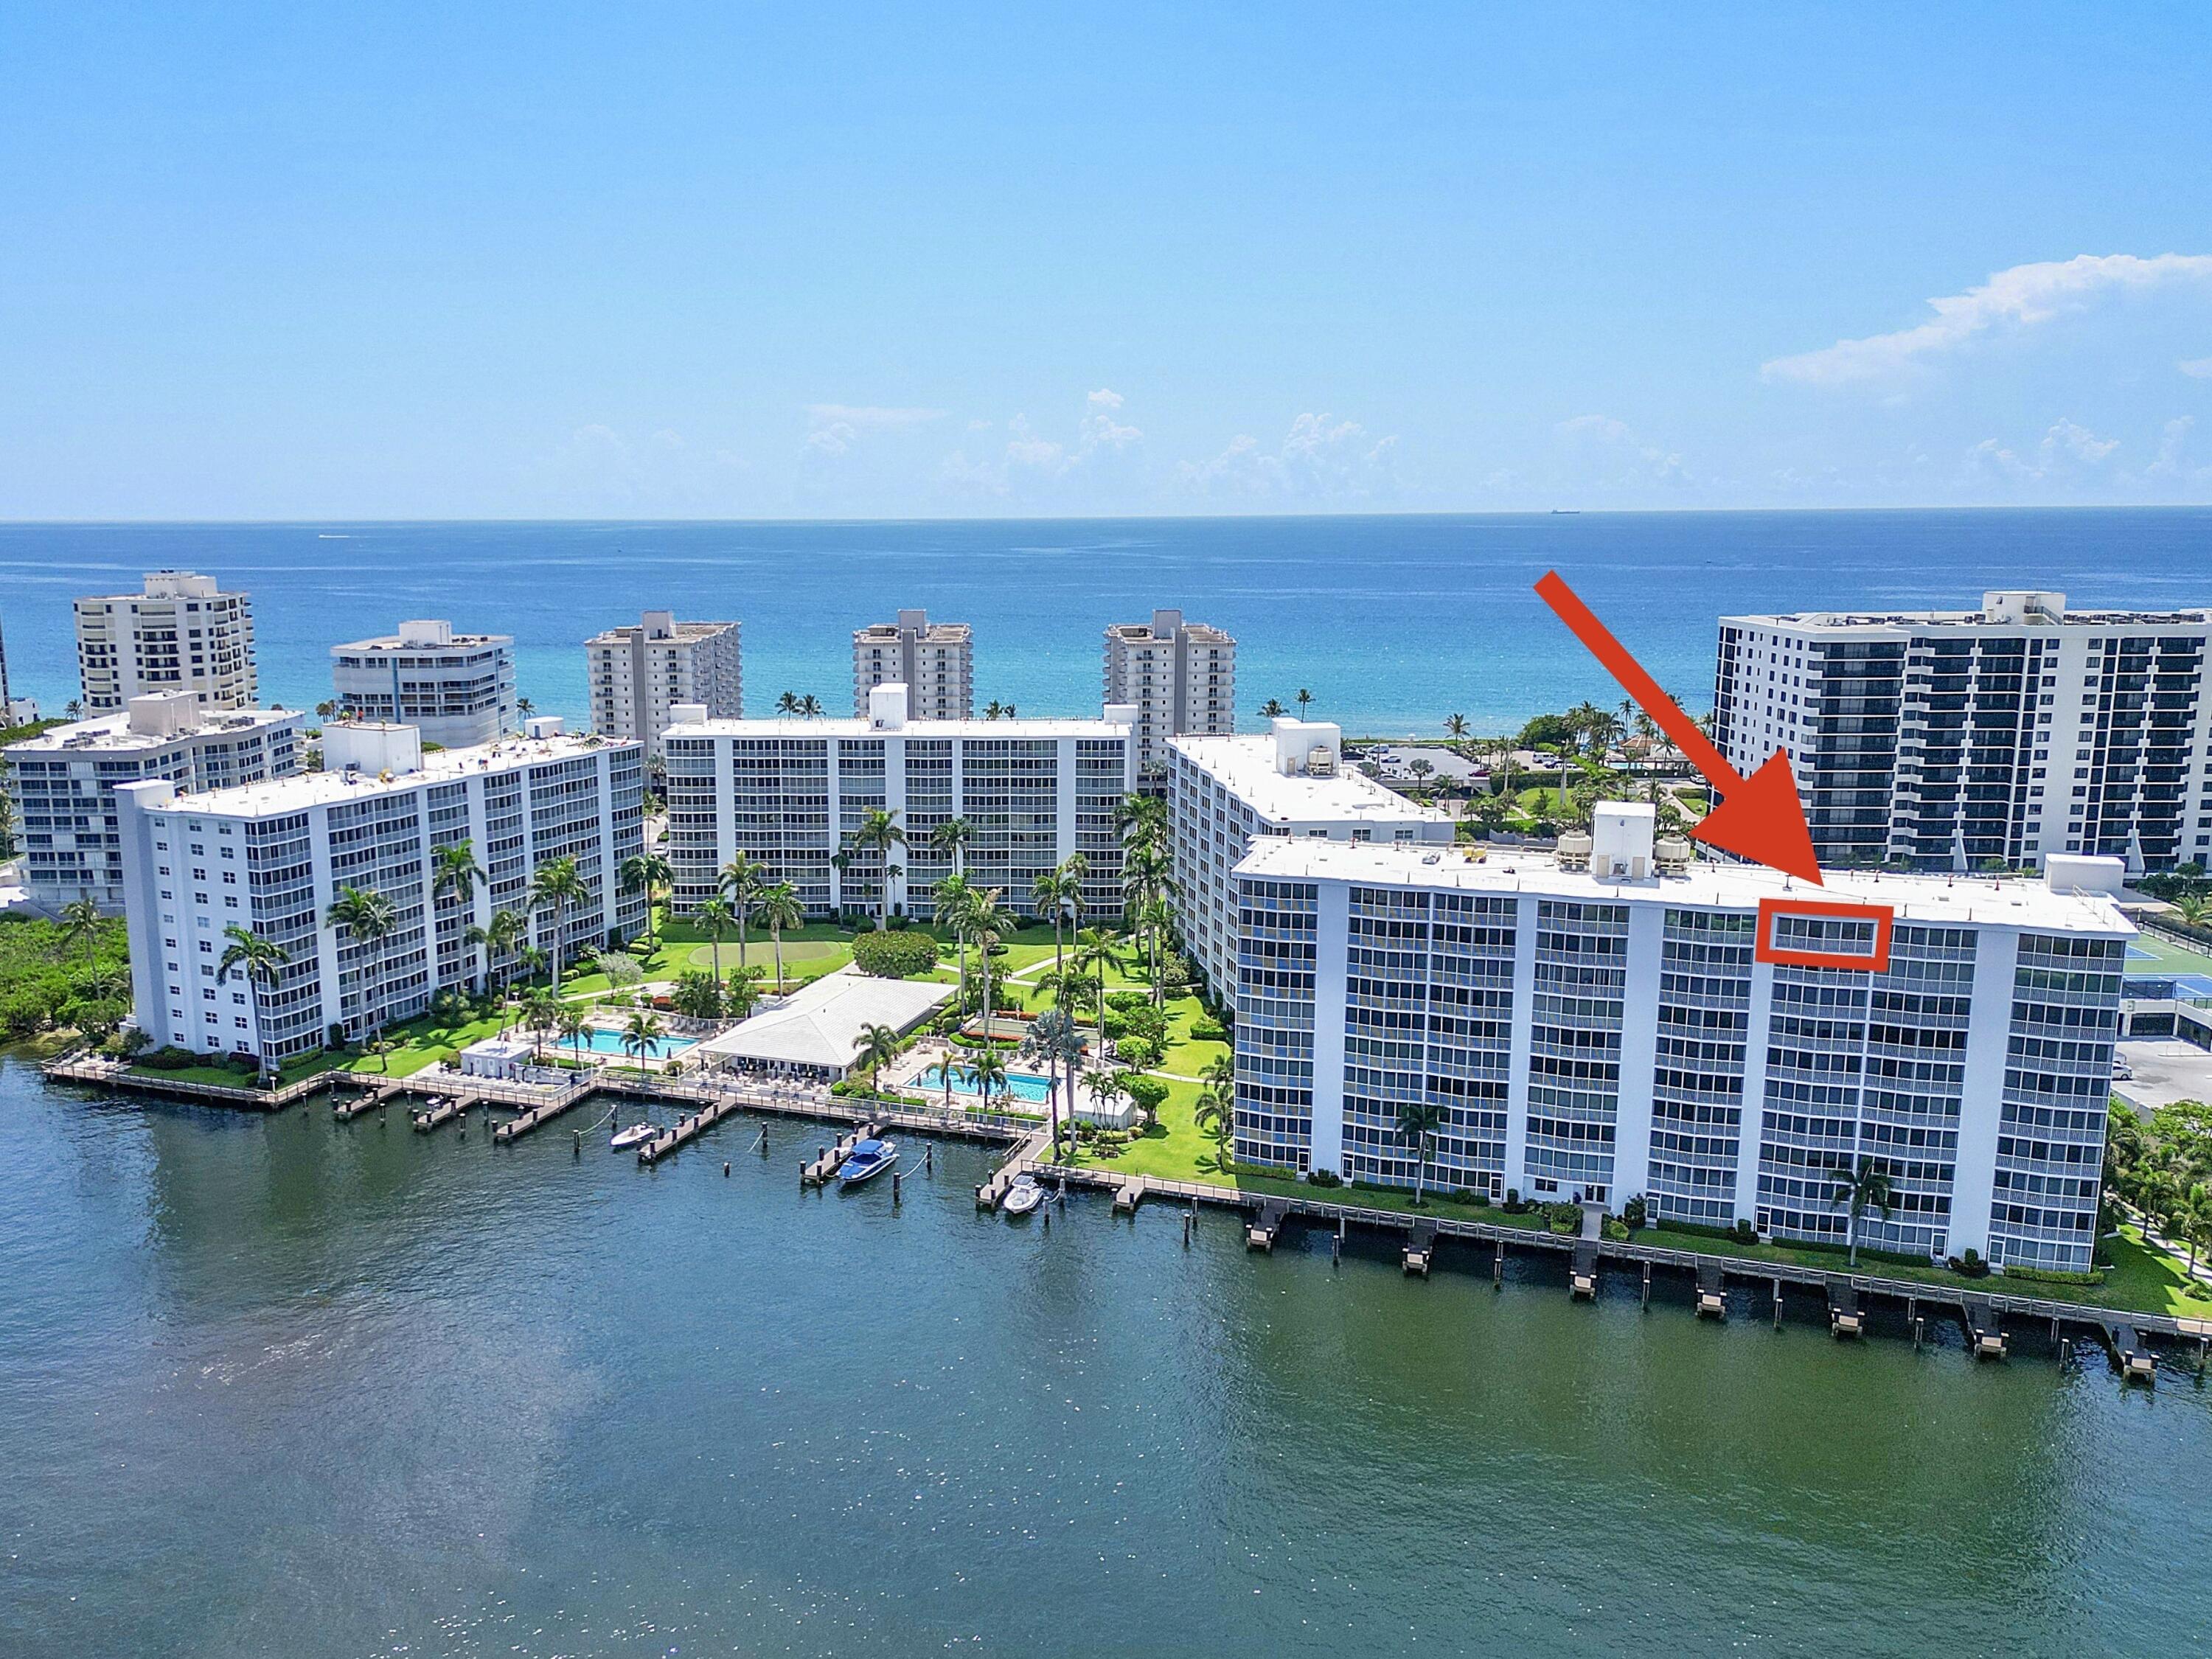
{"points": [[64, 781], [181, 635], [271, 857], [1223, 793], [1181, 676], [456, 689], [789, 793], [639, 673], [935, 661], [1971, 739], [1602, 1036]]}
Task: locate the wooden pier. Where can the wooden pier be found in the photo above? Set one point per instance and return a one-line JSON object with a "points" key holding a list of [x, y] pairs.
{"points": [[2137, 1363], [1260, 1233], [689, 1128], [345, 1110], [1984, 1336], [1129, 1195], [824, 1169], [1712, 1286], [442, 1112], [1581, 1273], [533, 1117], [1420, 1249], [1846, 1317]]}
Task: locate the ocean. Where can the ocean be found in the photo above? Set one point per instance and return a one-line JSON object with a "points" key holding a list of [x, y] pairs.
{"points": [[1392, 623]]}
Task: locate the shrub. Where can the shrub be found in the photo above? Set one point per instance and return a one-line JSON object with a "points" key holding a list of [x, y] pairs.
{"points": [[1140, 1052], [1513, 1205], [1123, 1001], [1564, 1217], [1147, 1093], [1323, 1178], [697, 995], [1744, 1232], [170, 1058], [1633, 1212], [1971, 1264], [1616, 1229], [1208, 1031]]}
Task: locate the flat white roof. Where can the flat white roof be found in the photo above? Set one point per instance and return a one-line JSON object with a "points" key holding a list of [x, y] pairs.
{"points": [[304, 789], [821, 1024], [1938, 899], [1892, 620], [1246, 768], [850, 727], [111, 734]]}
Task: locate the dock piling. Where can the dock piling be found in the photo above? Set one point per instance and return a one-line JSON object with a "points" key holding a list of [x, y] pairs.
{"points": [[1498, 1267], [725, 1168], [896, 1177], [1777, 1304], [929, 1159], [1647, 1287], [1186, 1244]]}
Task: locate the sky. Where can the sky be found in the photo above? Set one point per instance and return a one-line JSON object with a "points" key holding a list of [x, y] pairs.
{"points": [[300, 261]]}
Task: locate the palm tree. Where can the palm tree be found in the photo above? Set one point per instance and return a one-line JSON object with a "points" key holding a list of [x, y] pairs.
{"points": [[1046, 896], [740, 881], [556, 886], [570, 1025], [1096, 950], [80, 924], [260, 961], [1216, 1109], [1107, 1085], [1271, 709], [1417, 1120], [716, 918], [655, 874], [1455, 730], [878, 833], [506, 930], [1304, 701], [1154, 919], [787, 704], [951, 838], [2193, 910], [368, 918], [2191, 1219], [776, 909], [810, 706], [454, 873], [1054, 1039], [876, 1046], [640, 1035], [990, 1069], [987, 921], [1867, 1188], [541, 1012], [953, 897]]}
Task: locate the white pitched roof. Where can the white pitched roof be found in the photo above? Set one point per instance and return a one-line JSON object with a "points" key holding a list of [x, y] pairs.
{"points": [[821, 1024]]}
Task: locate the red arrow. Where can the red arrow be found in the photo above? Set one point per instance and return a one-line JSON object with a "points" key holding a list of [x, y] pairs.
{"points": [[1758, 817]]}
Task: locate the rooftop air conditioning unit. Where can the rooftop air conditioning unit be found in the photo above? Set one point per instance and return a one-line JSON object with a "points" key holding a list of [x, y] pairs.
{"points": [[1574, 850]]}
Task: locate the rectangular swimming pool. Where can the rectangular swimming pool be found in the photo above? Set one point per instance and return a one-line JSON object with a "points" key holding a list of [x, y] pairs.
{"points": [[1025, 1087], [600, 1041]]}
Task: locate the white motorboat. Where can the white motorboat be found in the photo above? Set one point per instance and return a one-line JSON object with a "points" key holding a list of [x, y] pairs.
{"points": [[868, 1159], [637, 1135], [1023, 1196]]}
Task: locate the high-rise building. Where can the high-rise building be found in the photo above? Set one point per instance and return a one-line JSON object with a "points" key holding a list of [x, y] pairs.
{"points": [[1181, 676], [638, 673], [1971, 740], [935, 661], [271, 857], [789, 793], [1599, 1025], [1223, 793], [181, 635], [64, 781], [458, 689]]}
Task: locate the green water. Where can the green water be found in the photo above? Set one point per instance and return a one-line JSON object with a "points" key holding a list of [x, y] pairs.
{"points": [[289, 1387]]}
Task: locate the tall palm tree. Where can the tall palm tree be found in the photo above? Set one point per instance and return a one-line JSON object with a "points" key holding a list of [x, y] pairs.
{"points": [[810, 706], [454, 873], [876, 1046], [954, 897], [878, 833], [640, 1035], [80, 924], [1046, 896], [1863, 1189], [787, 704], [738, 884], [951, 838], [1216, 1110], [570, 1025], [541, 1012], [776, 909], [716, 918], [1455, 730], [1154, 919], [1418, 1120], [1107, 1085], [1096, 950], [989, 1066], [260, 961], [507, 930], [1304, 701], [368, 918], [557, 885], [1272, 709], [655, 874], [988, 921], [1054, 1039]]}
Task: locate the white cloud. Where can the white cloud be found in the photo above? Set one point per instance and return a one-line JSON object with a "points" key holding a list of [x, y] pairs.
{"points": [[833, 428], [1607, 453], [1106, 397], [2068, 452], [2023, 297], [2196, 369], [1029, 460], [1322, 459]]}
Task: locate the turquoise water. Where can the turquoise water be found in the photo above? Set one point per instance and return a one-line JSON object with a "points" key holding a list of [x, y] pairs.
{"points": [[1391, 622], [1024, 1086], [279, 1386], [598, 1041]]}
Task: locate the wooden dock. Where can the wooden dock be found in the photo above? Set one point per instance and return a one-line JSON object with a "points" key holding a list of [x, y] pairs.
{"points": [[523, 1122], [1846, 1318], [689, 1128], [824, 1169], [442, 1112], [1262, 1231], [1420, 1249], [345, 1110], [1985, 1337], [1129, 1195], [1712, 1287], [2137, 1363], [1582, 1272]]}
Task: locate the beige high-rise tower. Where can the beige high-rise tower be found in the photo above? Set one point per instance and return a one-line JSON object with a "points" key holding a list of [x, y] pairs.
{"points": [[935, 661], [182, 634], [1181, 676], [637, 672]]}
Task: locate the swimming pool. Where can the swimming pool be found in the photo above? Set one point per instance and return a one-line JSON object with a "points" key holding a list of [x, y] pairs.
{"points": [[598, 1040], [1024, 1086]]}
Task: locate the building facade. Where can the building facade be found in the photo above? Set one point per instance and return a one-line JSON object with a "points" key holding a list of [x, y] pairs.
{"points": [[1225, 792], [935, 661], [64, 781], [1181, 677], [271, 857], [1965, 741], [181, 634], [456, 689], [1594, 1038], [639, 673], [789, 793]]}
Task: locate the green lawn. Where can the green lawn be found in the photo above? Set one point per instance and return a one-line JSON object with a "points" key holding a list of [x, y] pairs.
{"points": [[804, 959], [2142, 1277]]}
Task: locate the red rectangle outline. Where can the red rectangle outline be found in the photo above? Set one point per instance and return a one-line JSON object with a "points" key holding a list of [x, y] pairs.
{"points": [[1882, 915]]}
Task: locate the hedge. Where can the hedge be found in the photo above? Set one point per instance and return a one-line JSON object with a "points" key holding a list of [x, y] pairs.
{"points": [[887, 954]]}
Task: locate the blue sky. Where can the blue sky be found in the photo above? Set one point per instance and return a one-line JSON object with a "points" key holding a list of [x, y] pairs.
{"points": [[301, 261]]}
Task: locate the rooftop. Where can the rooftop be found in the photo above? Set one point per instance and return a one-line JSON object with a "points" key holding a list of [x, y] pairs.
{"points": [[1938, 899], [850, 727], [660, 630], [305, 789], [1247, 768], [821, 1024], [113, 734]]}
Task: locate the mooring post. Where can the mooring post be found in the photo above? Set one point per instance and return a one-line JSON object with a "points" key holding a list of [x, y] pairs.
{"points": [[580, 1143], [1047, 1222], [725, 1168], [1498, 1267], [1186, 1231], [1916, 1333], [897, 1175], [1777, 1304], [1647, 1287], [929, 1159]]}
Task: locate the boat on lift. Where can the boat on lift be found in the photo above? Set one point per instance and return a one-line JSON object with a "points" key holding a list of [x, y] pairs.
{"points": [[1023, 1195], [868, 1159], [637, 1135]]}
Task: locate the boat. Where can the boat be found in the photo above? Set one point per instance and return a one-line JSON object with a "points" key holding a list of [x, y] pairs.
{"points": [[868, 1159], [1023, 1195], [637, 1135]]}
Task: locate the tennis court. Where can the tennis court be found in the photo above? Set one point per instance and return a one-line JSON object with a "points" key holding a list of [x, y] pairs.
{"points": [[2149, 953]]}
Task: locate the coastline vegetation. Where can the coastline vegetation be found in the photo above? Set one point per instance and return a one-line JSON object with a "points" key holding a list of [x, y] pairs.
{"points": [[74, 973]]}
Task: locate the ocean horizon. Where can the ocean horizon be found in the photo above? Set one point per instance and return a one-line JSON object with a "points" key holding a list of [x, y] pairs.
{"points": [[1393, 622]]}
